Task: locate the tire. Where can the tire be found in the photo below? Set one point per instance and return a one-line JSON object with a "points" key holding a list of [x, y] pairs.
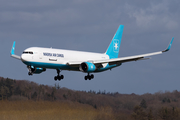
{"points": [[59, 78], [92, 76], [55, 78], [85, 77], [29, 73], [62, 76]]}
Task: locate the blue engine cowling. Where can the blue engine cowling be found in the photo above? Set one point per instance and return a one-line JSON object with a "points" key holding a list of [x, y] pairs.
{"points": [[87, 67], [37, 70]]}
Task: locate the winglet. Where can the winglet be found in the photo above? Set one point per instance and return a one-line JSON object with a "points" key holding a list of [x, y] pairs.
{"points": [[13, 48], [169, 47], [12, 51]]}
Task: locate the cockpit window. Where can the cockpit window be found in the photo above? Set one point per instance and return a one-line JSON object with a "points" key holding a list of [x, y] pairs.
{"points": [[30, 52], [27, 52]]}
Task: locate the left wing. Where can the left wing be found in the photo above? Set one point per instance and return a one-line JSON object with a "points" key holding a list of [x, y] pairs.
{"points": [[13, 53], [123, 59]]}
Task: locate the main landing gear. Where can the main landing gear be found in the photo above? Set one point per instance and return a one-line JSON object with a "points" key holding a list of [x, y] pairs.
{"points": [[89, 77], [58, 77]]}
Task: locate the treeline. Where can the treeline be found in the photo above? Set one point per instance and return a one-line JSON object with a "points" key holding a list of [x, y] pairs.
{"points": [[158, 106]]}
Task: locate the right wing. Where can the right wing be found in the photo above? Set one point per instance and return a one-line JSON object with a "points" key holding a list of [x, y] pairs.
{"points": [[122, 59]]}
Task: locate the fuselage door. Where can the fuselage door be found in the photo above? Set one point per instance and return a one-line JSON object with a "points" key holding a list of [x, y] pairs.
{"points": [[40, 55]]}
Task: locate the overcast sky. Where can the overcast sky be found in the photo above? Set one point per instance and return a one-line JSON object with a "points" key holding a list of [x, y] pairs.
{"points": [[89, 25]]}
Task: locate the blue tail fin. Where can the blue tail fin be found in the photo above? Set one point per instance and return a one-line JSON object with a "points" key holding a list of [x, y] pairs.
{"points": [[113, 49]]}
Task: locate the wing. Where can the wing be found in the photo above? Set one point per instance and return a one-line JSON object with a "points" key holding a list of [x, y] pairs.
{"points": [[13, 53], [123, 59]]}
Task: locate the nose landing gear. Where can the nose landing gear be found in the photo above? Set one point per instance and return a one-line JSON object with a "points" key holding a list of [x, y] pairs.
{"points": [[58, 77], [31, 70]]}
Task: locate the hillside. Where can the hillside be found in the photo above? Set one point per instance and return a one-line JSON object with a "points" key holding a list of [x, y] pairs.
{"points": [[94, 105]]}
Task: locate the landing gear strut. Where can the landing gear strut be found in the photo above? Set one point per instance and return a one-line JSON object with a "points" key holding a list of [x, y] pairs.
{"points": [[89, 77], [31, 70], [58, 77]]}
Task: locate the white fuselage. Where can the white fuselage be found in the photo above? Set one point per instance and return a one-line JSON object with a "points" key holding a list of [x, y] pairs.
{"points": [[57, 58]]}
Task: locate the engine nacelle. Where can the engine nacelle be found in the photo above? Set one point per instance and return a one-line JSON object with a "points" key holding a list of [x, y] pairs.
{"points": [[34, 70], [87, 67], [39, 70]]}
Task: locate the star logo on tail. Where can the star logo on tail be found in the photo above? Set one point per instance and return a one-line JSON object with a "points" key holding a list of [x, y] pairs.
{"points": [[116, 45]]}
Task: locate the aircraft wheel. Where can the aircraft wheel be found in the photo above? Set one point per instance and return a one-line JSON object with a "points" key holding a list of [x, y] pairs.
{"points": [[89, 77], [85, 77], [55, 78], [62, 76], [59, 78], [29, 73], [92, 76]]}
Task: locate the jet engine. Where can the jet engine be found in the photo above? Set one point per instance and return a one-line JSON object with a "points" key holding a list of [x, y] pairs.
{"points": [[34, 70], [87, 67], [39, 70]]}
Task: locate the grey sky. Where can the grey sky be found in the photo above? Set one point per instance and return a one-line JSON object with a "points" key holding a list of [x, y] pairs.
{"points": [[89, 25]]}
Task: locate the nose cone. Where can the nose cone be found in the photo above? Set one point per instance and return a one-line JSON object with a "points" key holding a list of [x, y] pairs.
{"points": [[25, 57], [22, 57]]}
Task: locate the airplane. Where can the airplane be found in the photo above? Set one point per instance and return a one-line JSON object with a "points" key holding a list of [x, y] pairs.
{"points": [[38, 59]]}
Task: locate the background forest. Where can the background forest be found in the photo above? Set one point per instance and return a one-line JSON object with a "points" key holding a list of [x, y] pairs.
{"points": [[62, 103]]}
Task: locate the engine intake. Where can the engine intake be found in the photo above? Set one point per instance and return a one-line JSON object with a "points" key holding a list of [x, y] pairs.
{"points": [[87, 67]]}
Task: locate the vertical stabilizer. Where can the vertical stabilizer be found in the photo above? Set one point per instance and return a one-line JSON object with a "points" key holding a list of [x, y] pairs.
{"points": [[113, 49]]}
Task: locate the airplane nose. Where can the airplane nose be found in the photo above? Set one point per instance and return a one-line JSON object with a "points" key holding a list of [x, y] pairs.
{"points": [[24, 57]]}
